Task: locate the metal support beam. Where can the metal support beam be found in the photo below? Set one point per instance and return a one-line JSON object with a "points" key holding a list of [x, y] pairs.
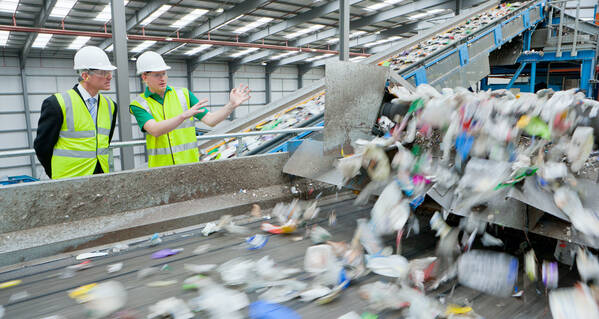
{"points": [[268, 87], [189, 76], [344, 30], [240, 9], [119, 35], [39, 22], [28, 120], [518, 71], [232, 69], [300, 77], [558, 53], [139, 16], [458, 7], [533, 76], [576, 29]]}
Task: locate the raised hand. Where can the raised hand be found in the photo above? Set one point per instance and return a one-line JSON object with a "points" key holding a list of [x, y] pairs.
{"points": [[196, 108], [239, 95]]}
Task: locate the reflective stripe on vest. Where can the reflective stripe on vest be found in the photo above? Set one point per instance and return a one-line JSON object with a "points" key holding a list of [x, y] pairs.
{"points": [[70, 118], [79, 154], [178, 146], [79, 148], [176, 149]]}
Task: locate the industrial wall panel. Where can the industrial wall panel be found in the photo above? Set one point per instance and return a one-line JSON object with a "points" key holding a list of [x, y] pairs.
{"points": [[65, 83], [219, 84], [11, 84], [37, 84], [13, 122], [213, 67], [11, 103], [289, 85], [36, 100], [257, 84], [510, 29], [218, 99], [442, 67], [177, 82], [482, 45], [13, 140], [15, 161], [276, 84], [201, 84], [257, 98], [276, 95]]}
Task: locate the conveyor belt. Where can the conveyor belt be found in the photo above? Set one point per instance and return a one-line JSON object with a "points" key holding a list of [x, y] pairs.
{"points": [[455, 54], [48, 293]]}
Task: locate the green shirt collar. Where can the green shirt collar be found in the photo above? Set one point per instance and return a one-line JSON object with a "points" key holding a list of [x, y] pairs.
{"points": [[155, 96]]}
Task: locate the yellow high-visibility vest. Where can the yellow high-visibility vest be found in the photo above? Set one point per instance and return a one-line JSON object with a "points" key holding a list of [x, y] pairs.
{"points": [[179, 146], [81, 143]]}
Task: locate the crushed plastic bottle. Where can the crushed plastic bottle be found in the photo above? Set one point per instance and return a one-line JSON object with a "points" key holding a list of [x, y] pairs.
{"points": [[475, 266]]}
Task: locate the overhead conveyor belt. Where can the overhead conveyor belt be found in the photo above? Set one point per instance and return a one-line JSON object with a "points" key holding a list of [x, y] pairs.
{"points": [[454, 54]]}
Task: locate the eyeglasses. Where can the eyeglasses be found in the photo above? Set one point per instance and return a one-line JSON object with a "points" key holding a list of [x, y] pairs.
{"points": [[157, 75], [101, 73]]}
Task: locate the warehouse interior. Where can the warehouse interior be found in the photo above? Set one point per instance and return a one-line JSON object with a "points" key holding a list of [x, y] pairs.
{"points": [[392, 154]]}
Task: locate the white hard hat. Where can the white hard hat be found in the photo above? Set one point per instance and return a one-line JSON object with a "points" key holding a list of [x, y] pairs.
{"points": [[90, 57], [151, 61]]}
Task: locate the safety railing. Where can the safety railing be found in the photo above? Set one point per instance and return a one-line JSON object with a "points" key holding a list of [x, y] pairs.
{"points": [[26, 152]]}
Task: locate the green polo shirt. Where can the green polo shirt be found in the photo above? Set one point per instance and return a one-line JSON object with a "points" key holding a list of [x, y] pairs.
{"points": [[142, 116]]}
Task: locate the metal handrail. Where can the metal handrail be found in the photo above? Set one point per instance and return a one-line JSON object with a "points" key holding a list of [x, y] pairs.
{"points": [[24, 152]]}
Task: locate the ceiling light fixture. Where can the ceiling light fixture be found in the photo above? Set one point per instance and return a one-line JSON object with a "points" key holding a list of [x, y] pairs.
{"points": [[304, 31], [380, 5], [164, 8], [41, 40], [198, 49], [252, 25], [62, 8], [142, 46], [189, 18], [106, 14], [78, 43], [4, 37], [9, 6], [244, 52]]}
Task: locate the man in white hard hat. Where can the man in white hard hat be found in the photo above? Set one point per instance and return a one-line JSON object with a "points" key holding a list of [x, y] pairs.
{"points": [[166, 114], [76, 127]]}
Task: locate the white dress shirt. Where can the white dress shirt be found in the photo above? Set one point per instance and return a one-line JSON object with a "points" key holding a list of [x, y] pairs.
{"points": [[91, 107]]}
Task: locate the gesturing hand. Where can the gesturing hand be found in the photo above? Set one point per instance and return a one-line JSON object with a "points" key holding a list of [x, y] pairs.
{"points": [[239, 95], [196, 108]]}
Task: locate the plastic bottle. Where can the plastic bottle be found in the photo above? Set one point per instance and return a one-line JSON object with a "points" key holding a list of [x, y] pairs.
{"points": [[489, 272]]}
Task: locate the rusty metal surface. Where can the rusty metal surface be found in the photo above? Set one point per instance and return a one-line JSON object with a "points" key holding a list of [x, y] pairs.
{"points": [[32, 205], [354, 95]]}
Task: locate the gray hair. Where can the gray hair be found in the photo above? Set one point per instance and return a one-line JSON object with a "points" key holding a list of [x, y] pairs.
{"points": [[80, 72]]}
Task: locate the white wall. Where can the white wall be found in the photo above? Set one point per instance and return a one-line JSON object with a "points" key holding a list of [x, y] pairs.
{"points": [[46, 76]]}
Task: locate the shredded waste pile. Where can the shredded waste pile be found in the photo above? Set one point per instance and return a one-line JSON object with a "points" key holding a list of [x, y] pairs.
{"points": [[480, 154]]}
